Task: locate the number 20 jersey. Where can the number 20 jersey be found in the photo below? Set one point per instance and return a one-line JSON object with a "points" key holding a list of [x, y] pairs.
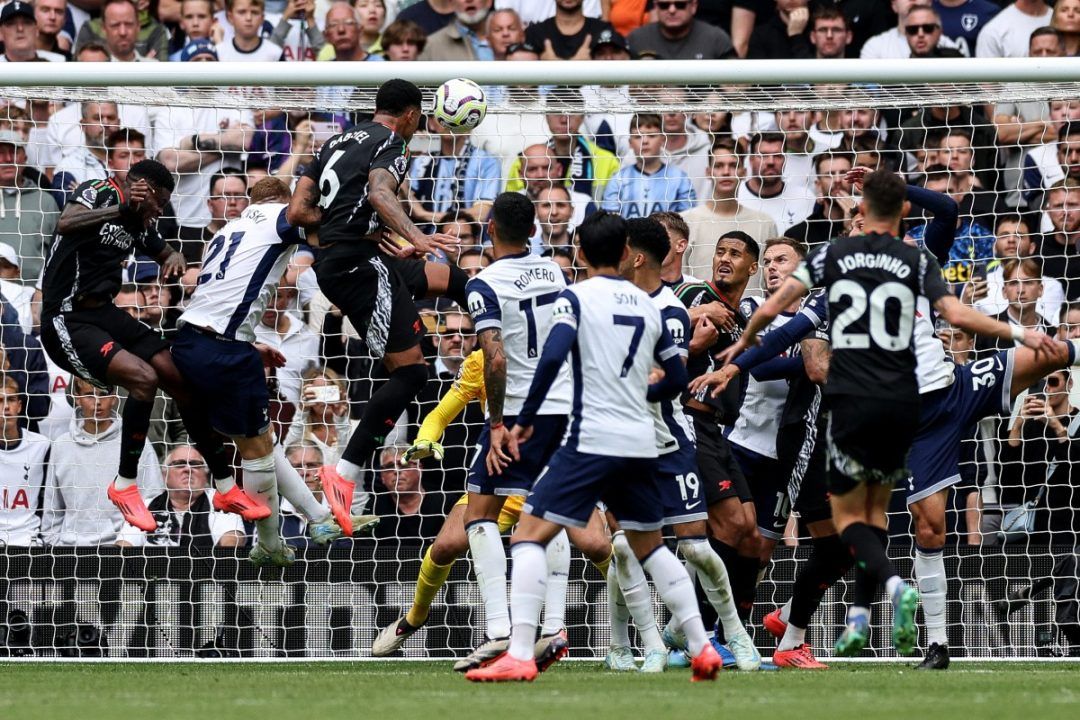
{"points": [[516, 294], [872, 283]]}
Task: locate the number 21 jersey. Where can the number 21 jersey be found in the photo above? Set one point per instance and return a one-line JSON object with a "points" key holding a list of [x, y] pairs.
{"points": [[872, 283]]}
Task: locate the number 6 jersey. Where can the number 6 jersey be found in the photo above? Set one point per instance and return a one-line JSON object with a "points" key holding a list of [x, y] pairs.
{"points": [[872, 283], [240, 269]]}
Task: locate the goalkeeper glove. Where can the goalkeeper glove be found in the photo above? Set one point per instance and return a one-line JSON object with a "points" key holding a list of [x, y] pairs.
{"points": [[423, 449]]}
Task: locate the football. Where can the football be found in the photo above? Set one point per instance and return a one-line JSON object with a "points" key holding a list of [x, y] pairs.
{"points": [[460, 105]]}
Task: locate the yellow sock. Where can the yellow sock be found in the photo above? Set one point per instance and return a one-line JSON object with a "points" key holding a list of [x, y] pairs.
{"points": [[604, 564], [432, 577]]}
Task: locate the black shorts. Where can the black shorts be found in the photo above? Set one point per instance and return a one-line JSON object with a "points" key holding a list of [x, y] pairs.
{"points": [[868, 440], [801, 454], [720, 473], [84, 342], [374, 292], [768, 488]]}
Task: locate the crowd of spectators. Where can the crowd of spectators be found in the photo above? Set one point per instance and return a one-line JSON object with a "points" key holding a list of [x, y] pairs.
{"points": [[1013, 169]]}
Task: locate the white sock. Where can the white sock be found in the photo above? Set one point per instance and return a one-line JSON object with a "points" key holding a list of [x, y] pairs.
{"points": [[857, 612], [123, 483], [793, 638], [293, 488], [350, 471], [675, 588], [489, 563], [225, 484], [260, 482], [558, 561], [635, 589], [785, 611], [714, 581], [930, 574], [892, 584], [528, 587], [620, 614]]}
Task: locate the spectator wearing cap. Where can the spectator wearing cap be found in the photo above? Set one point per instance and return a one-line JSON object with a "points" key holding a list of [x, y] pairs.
{"points": [[568, 35], [28, 214], [130, 34], [19, 32], [200, 50], [51, 15], [504, 29], [465, 38], [678, 35], [184, 512], [893, 43], [785, 34], [403, 40], [19, 297], [86, 161], [431, 15], [611, 130]]}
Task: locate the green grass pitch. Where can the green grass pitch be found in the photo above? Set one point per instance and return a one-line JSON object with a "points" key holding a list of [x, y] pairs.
{"points": [[431, 691]]}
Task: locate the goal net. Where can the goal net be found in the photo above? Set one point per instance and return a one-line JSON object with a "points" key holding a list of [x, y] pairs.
{"points": [[761, 148]]}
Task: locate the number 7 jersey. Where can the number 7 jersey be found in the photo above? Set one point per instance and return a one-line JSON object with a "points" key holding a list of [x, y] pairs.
{"points": [[240, 269], [516, 295], [872, 283]]}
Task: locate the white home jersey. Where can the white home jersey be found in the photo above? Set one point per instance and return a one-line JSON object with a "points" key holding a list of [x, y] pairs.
{"points": [[516, 294], [673, 430], [22, 477], [933, 368], [763, 404], [619, 335], [241, 268]]}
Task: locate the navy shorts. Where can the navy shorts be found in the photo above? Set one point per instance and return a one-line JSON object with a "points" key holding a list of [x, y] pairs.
{"points": [[227, 379], [573, 482], [518, 477], [768, 488], [980, 389], [679, 482]]}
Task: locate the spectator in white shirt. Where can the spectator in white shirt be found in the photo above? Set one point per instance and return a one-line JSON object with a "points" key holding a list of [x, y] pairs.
{"points": [[184, 512], [1009, 33], [766, 190], [19, 296], [282, 329], [23, 460], [894, 43], [87, 160], [82, 463], [247, 42]]}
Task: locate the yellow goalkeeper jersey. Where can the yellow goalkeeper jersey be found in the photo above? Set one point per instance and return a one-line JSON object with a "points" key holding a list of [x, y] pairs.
{"points": [[468, 386]]}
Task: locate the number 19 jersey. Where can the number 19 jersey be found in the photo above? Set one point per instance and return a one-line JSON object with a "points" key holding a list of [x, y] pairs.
{"points": [[516, 294], [872, 283]]}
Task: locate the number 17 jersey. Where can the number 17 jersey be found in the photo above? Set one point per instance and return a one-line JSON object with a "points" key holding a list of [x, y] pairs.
{"points": [[516, 295], [872, 283]]}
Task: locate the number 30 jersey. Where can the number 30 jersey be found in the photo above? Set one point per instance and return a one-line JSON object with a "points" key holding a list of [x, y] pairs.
{"points": [[872, 283], [241, 267], [620, 336], [516, 295]]}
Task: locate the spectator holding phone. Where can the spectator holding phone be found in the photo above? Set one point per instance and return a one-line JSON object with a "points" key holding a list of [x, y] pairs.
{"points": [[1023, 288], [323, 420]]}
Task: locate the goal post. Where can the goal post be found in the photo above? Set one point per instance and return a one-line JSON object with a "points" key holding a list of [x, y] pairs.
{"points": [[77, 583]]}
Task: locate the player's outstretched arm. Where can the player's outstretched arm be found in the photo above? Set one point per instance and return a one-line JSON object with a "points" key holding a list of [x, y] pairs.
{"points": [[973, 321], [304, 210], [789, 292]]}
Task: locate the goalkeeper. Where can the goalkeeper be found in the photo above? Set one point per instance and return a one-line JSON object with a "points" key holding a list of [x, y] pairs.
{"points": [[451, 542]]}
